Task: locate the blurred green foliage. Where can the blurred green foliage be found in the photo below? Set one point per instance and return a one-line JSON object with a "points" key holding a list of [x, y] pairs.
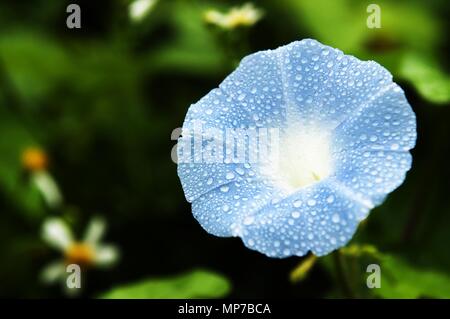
{"points": [[103, 100], [401, 280], [195, 284]]}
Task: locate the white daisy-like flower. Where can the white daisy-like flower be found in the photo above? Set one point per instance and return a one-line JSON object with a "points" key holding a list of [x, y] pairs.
{"points": [[246, 15], [35, 161], [89, 252]]}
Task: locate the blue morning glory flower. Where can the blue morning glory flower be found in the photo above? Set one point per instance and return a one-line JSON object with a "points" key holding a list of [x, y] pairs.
{"points": [[338, 131]]}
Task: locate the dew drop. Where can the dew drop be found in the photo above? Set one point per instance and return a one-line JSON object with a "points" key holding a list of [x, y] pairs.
{"points": [[229, 175], [297, 203], [395, 147], [311, 202], [335, 218], [325, 52], [224, 189], [248, 220]]}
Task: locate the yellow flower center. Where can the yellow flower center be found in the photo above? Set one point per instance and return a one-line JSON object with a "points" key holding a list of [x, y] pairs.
{"points": [[34, 159], [81, 254]]}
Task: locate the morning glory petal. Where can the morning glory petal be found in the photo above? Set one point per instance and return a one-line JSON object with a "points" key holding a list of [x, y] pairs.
{"points": [[225, 210], [203, 165], [217, 110], [197, 177], [258, 102], [256, 85], [386, 122], [325, 86], [318, 219], [370, 175], [372, 157]]}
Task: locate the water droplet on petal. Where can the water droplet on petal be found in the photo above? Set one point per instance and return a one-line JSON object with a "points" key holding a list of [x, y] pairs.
{"points": [[295, 214], [241, 97], [248, 220], [335, 218], [229, 175], [311, 202]]}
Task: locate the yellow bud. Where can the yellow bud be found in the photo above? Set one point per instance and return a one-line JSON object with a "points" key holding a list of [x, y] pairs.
{"points": [[34, 159], [301, 271]]}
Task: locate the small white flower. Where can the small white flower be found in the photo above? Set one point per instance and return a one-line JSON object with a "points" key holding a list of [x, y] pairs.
{"points": [[89, 252], [246, 15], [138, 9], [35, 161]]}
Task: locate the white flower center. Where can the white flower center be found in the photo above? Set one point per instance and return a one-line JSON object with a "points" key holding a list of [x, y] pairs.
{"points": [[304, 158]]}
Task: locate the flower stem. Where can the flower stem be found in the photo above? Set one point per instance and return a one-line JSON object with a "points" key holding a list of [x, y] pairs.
{"points": [[342, 275]]}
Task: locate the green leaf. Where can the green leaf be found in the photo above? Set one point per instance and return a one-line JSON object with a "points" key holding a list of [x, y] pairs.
{"points": [[35, 63], [349, 31], [195, 284], [427, 78], [399, 279]]}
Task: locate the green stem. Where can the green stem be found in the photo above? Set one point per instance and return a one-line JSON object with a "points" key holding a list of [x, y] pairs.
{"points": [[342, 276]]}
